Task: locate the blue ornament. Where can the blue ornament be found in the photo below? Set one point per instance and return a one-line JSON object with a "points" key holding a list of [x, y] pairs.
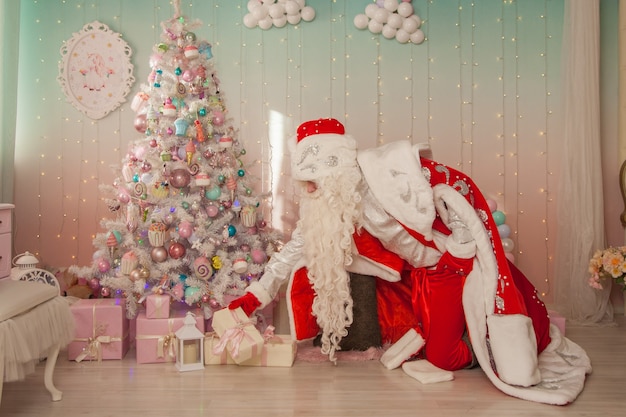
{"points": [[202, 112], [178, 71], [213, 194], [231, 230], [241, 173], [136, 178], [181, 126]]}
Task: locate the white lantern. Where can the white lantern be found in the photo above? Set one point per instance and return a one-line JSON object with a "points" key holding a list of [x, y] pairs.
{"points": [[190, 355]]}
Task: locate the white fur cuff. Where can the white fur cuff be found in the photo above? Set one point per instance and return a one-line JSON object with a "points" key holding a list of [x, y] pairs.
{"points": [[260, 293], [426, 373], [514, 348], [403, 349]]}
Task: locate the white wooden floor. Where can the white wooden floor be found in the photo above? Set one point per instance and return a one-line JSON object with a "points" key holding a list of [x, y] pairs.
{"points": [[123, 388]]}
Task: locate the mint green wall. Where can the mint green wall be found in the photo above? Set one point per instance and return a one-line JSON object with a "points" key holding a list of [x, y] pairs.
{"points": [[483, 90]]}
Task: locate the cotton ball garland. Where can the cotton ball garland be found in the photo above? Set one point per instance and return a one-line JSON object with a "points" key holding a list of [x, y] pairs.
{"points": [[268, 13], [392, 18]]}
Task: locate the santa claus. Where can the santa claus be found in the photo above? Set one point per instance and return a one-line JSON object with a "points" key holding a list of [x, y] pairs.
{"points": [[420, 237]]}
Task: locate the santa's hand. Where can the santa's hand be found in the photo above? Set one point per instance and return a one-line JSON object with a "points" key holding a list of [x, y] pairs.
{"points": [[247, 302]]}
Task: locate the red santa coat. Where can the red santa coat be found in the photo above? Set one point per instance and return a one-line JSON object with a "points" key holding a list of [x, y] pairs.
{"points": [[508, 324]]}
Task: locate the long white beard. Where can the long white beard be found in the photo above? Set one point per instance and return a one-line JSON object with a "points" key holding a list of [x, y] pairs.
{"points": [[328, 218]]}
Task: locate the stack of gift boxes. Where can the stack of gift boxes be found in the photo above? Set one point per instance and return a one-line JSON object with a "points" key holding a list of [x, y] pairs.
{"points": [[156, 327], [103, 331], [236, 340]]}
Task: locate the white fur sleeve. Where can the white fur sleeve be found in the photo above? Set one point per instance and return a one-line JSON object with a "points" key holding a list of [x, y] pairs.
{"points": [[278, 270], [393, 236]]}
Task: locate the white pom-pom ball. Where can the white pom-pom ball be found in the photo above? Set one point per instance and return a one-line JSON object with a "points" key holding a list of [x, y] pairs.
{"points": [[381, 16], [301, 3], [308, 13], [395, 20], [405, 9], [250, 21], [417, 19], [417, 37], [253, 4], [374, 26], [266, 23], [361, 21], [402, 36], [292, 8], [260, 12], [280, 22], [389, 32], [294, 19], [370, 10], [410, 25], [277, 10], [391, 5]]}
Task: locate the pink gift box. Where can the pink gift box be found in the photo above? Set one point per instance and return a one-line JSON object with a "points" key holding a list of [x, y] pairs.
{"points": [[157, 306], [237, 334], [156, 340], [558, 320], [101, 330]]}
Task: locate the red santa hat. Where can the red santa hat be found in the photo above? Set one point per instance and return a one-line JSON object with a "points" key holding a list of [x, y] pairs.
{"points": [[321, 148]]}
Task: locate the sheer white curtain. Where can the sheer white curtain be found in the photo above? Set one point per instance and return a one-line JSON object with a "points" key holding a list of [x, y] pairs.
{"points": [[580, 197], [9, 41]]}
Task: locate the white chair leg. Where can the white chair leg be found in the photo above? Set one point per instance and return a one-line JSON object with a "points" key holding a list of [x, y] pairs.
{"points": [[1, 374], [49, 373]]}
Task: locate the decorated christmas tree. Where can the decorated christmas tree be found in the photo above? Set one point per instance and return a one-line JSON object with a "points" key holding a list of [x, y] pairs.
{"points": [[187, 220]]}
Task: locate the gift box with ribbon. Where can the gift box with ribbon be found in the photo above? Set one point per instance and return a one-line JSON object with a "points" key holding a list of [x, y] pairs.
{"points": [[157, 306], [101, 330], [237, 335], [156, 340], [211, 340], [278, 350]]}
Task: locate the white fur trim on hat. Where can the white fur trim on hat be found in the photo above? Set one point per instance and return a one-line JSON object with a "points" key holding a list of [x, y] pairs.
{"points": [[394, 174], [320, 155]]}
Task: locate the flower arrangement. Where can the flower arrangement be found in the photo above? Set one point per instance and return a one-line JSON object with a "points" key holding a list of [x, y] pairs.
{"points": [[608, 263]]}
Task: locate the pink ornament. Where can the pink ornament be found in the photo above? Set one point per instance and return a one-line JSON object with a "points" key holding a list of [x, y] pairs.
{"points": [[188, 75], [214, 304], [103, 265], [185, 229], [205, 298], [212, 210], [180, 178], [94, 283], [105, 292], [176, 250], [158, 254], [218, 118], [493, 206], [258, 256], [178, 292], [141, 123], [123, 197]]}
